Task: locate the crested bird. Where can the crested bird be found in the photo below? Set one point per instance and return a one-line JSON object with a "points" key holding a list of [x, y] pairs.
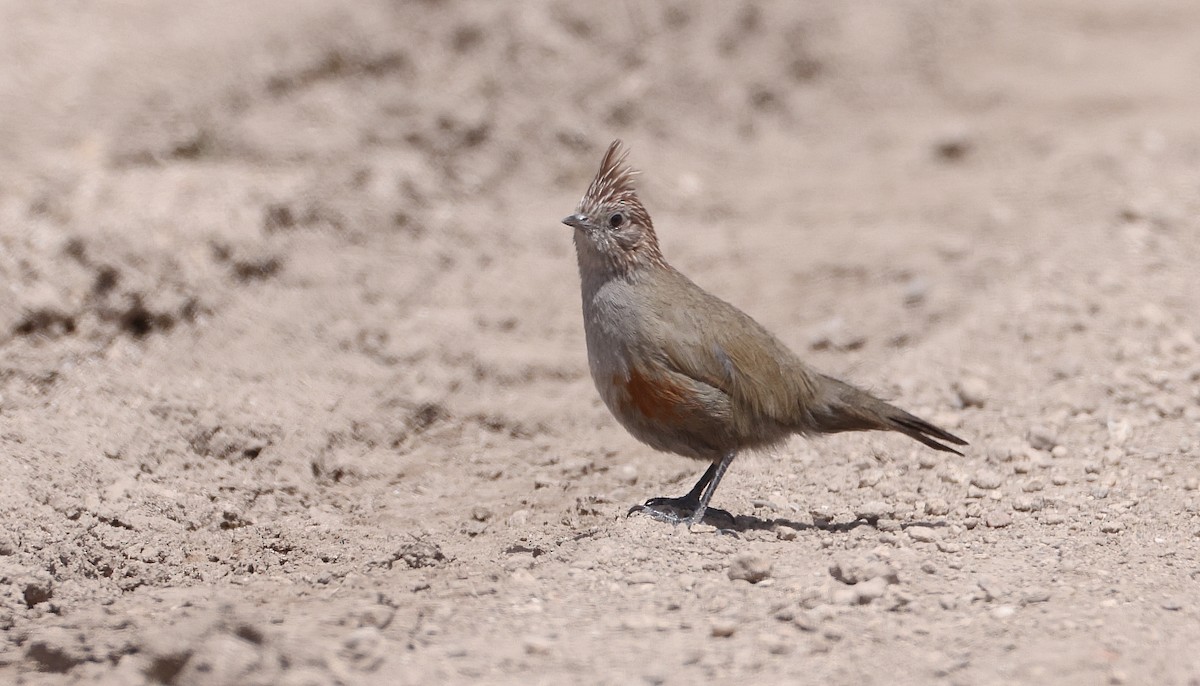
{"points": [[688, 373]]}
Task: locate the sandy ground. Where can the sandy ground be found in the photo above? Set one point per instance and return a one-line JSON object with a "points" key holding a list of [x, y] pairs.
{"points": [[293, 387]]}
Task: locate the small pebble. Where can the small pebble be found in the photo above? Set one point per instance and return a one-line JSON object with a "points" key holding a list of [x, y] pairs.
{"points": [[1029, 503], [843, 596], [1059, 452], [873, 510], [952, 146], [640, 578], [1036, 595], [972, 392], [1042, 438], [887, 524], [723, 627], [537, 645], [937, 507], [786, 533], [822, 514], [779, 502], [1112, 527], [997, 519], [987, 480], [1033, 486], [870, 590], [924, 534], [627, 475], [1003, 611], [1053, 518], [1191, 484], [853, 571], [750, 567], [806, 621]]}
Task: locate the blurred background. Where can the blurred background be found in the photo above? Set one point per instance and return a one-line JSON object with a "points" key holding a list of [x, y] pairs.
{"points": [[284, 294]]}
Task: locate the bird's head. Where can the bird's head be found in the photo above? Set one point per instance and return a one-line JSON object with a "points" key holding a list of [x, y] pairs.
{"points": [[611, 223]]}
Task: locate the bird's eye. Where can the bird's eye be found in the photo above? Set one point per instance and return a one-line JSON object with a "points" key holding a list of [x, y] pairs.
{"points": [[616, 219]]}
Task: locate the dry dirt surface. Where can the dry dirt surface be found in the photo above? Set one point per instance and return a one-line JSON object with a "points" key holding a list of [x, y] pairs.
{"points": [[293, 387]]}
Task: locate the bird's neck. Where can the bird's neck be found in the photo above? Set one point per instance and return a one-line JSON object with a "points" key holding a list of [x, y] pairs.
{"points": [[597, 267]]}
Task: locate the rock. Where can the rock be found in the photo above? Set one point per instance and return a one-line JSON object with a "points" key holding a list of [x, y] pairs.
{"points": [[972, 392], [1112, 527], [750, 567], [1053, 518]]}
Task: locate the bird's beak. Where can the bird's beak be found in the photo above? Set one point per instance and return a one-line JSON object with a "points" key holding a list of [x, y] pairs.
{"points": [[575, 221]]}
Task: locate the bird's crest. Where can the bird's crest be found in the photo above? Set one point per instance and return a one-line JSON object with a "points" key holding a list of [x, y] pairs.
{"points": [[614, 181], [613, 185]]}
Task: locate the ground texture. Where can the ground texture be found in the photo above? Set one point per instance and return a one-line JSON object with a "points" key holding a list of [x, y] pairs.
{"points": [[292, 376]]}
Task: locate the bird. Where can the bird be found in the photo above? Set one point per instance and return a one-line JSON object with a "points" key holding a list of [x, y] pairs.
{"points": [[687, 373]]}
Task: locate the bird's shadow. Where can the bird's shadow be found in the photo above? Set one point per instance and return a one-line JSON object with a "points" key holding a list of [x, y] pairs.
{"points": [[726, 523]]}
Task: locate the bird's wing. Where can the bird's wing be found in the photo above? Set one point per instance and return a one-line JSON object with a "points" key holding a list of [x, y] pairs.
{"points": [[711, 341]]}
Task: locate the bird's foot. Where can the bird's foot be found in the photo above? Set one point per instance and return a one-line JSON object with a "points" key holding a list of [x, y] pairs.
{"points": [[682, 510]]}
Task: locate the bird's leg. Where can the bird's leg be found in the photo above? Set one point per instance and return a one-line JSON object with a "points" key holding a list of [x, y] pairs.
{"points": [[695, 503]]}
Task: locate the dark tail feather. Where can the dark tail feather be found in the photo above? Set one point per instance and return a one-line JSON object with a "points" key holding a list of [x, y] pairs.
{"points": [[847, 408], [921, 430]]}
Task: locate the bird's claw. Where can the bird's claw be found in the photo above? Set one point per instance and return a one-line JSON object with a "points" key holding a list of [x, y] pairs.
{"points": [[676, 511]]}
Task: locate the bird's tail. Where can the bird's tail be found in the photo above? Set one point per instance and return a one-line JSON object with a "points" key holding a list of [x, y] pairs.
{"points": [[843, 407]]}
